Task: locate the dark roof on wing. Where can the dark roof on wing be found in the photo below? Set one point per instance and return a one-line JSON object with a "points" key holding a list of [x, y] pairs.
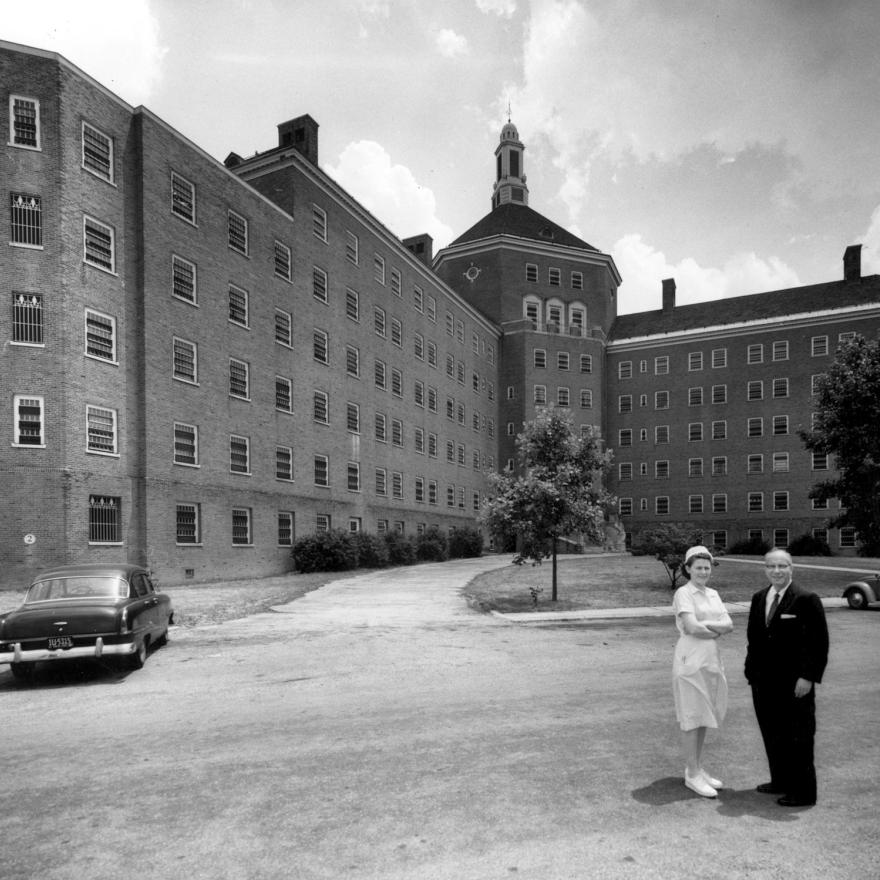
{"points": [[752, 307], [523, 222]]}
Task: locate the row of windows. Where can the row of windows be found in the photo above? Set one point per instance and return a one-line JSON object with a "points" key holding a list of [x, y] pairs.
{"points": [[563, 396], [779, 426], [563, 360], [550, 317], [718, 503], [779, 463], [554, 277], [718, 358]]}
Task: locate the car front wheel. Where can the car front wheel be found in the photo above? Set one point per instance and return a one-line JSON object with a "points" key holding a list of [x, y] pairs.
{"points": [[857, 599]]}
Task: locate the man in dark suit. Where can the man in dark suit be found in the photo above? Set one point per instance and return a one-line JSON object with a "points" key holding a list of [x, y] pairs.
{"points": [[785, 658]]}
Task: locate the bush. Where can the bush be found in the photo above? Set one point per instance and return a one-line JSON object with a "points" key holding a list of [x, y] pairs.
{"points": [[401, 550], [371, 549], [325, 551], [432, 546], [465, 543], [807, 545], [751, 547]]}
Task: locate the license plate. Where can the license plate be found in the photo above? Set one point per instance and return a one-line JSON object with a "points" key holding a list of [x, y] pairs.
{"points": [[60, 642]]}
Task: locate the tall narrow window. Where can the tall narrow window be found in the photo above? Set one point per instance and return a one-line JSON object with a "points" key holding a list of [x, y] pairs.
{"points": [[188, 524], [283, 262], [379, 268], [351, 247], [183, 198], [237, 232], [185, 361], [24, 122], [319, 285], [321, 407], [319, 223], [321, 346], [28, 429], [283, 328], [183, 279], [27, 318], [285, 528], [105, 519], [239, 454], [241, 526], [283, 463], [322, 470], [283, 394], [25, 220], [238, 306], [186, 444], [97, 152], [239, 385], [352, 305], [98, 244], [101, 430]]}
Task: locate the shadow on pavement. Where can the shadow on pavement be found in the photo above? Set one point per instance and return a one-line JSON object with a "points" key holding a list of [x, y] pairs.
{"points": [[68, 673]]}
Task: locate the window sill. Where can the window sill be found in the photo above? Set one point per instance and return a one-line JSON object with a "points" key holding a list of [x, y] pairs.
{"points": [[100, 268], [27, 344], [95, 357], [186, 465], [28, 445]]}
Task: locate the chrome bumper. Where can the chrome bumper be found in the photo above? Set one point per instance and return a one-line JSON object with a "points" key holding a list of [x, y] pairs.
{"points": [[99, 649]]}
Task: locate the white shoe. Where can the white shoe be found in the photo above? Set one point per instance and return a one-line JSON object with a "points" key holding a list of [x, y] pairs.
{"points": [[699, 785], [711, 780]]}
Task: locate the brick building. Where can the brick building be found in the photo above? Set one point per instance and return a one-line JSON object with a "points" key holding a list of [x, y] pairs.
{"points": [[203, 360]]}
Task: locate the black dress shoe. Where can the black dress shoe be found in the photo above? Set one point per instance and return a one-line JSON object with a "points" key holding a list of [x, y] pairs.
{"points": [[789, 801], [769, 788]]}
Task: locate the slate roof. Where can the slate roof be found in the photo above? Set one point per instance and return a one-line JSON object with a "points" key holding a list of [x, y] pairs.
{"points": [[523, 222], [752, 307]]}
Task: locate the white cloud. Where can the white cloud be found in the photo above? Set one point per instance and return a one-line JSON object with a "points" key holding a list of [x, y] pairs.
{"points": [[504, 8], [870, 242], [389, 191], [450, 44], [124, 53], [644, 268], [377, 8]]}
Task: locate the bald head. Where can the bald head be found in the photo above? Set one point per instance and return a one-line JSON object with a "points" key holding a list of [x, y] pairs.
{"points": [[778, 567]]}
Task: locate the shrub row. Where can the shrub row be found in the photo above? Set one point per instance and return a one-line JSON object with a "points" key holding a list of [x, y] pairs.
{"points": [[804, 545], [338, 550]]}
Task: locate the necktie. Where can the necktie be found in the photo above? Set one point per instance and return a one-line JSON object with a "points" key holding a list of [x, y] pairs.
{"points": [[773, 606]]}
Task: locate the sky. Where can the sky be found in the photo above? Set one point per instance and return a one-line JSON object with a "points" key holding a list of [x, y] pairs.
{"points": [[729, 144]]}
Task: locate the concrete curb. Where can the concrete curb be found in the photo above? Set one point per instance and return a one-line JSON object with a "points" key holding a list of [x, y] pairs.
{"points": [[599, 614]]}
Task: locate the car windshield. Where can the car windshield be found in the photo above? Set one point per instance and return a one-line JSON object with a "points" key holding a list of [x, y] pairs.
{"points": [[87, 587]]}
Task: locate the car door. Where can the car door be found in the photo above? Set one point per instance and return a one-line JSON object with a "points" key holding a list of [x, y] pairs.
{"points": [[141, 609]]}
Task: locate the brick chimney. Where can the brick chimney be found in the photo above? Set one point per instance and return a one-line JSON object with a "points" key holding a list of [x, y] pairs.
{"points": [[852, 263], [301, 134], [668, 294], [421, 246]]}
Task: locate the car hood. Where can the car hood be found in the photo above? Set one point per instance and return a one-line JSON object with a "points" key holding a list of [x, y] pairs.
{"points": [[59, 618]]}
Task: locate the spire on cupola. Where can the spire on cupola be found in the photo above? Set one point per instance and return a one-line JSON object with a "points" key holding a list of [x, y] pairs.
{"points": [[510, 180]]}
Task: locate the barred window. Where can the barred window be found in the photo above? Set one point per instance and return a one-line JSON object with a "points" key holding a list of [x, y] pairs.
{"points": [[354, 476], [283, 261], [28, 420], [319, 285], [186, 444], [661, 400], [695, 361], [661, 365], [105, 519], [238, 306], [780, 350], [27, 318], [695, 467], [780, 462], [379, 321], [237, 232], [719, 430], [625, 470], [241, 526], [379, 428], [379, 374], [661, 434], [586, 363], [185, 361], [379, 268], [283, 463], [321, 346], [322, 470], [661, 505], [183, 279], [396, 484], [719, 503], [321, 407], [352, 305], [755, 390], [695, 503], [395, 282], [755, 353], [319, 223], [285, 528], [351, 247], [25, 220], [183, 198], [586, 398], [352, 361], [755, 502], [97, 152], [239, 454], [819, 346], [719, 394], [322, 522], [625, 437], [780, 387], [661, 470], [238, 379], [396, 332], [101, 430], [396, 432], [755, 464], [283, 394], [381, 481], [719, 465], [719, 357], [188, 524], [780, 425], [283, 328], [24, 122], [353, 418]]}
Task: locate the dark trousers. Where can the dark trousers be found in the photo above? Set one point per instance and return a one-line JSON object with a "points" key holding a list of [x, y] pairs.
{"points": [[788, 726]]}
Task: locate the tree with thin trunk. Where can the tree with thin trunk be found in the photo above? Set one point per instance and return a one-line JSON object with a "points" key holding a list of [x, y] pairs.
{"points": [[557, 491]]}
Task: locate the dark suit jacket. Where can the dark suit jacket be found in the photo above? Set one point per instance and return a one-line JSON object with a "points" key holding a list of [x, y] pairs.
{"points": [[793, 646]]}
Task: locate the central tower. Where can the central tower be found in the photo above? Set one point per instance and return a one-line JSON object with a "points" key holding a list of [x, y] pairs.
{"points": [[510, 181]]}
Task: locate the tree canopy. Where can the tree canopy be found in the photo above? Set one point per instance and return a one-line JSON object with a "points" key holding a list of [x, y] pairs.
{"points": [[557, 491], [669, 542], [847, 426]]}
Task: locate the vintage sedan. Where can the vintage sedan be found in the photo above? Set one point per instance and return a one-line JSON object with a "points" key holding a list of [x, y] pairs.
{"points": [[97, 610]]}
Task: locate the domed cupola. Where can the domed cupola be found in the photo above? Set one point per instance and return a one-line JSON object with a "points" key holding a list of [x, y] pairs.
{"points": [[510, 179]]}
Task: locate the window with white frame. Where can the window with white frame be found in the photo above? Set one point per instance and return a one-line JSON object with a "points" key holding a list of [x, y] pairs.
{"points": [[379, 321], [719, 394], [847, 537], [283, 328], [27, 318], [396, 432], [459, 331], [431, 308], [321, 407], [352, 305], [396, 332], [183, 279], [352, 361], [625, 470], [539, 356], [554, 277], [319, 223], [395, 282], [239, 385], [780, 500], [624, 403], [320, 346], [186, 444], [185, 361], [25, 220], [322, 470], [780, 462], [100, 336], [755, 464], [432, 398], [29, 424], [238, 306], [379, 375], [577, 280], [695, 503], [661, 365], [101, 430], [625, 437], [418, 298], [283, 394], [816, 382], [562, 360], [819, 461], [661, 469], [285, 528], [396, 485], [819, 346], [105, 519], [755, 353], [586, 363], [719, 430], [188, 525], [239, 454], [320, 287], [378, 269], [719, 502], [380, 428], [419, 440], [237, 232], [719, 465], [183, 198], [755, 390], [241, 527], [780, 387], [661, 505], [661, 434], [419, 393], [381, 481], [540, 396], [586, 398], [563, 396], [719, 358], [97, 152], [531, 272], [695, 431], [24, 122], [755, 427], [352, 418], [99, 244], [661, 400], [780, 350], [322, 522], [284, 463], [755, 502], [625, 506], [846, 337], [351, 247], [695, 467], [695, 361], [780, 425], [353, 476], [695, 396], [283, 262]]}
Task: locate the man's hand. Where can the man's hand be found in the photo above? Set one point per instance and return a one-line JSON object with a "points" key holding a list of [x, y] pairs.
{"points": [[802, 687]]}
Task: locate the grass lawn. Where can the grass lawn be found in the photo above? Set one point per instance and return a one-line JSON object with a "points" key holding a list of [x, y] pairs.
{"points": [[585, 582]]}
